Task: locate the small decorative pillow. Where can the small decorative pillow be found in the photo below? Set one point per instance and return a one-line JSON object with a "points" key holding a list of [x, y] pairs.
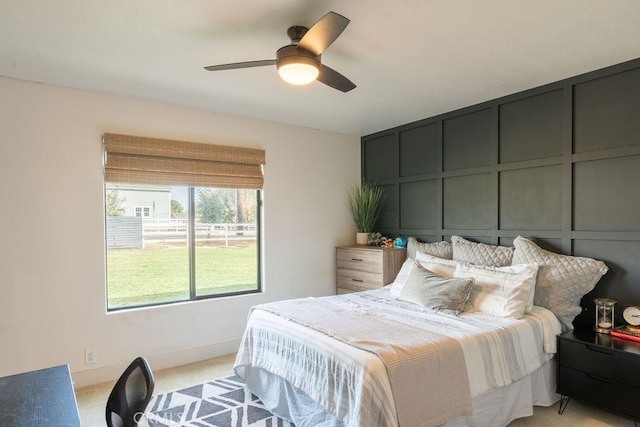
{"points": [[439, 249], [440, 266], [562, 279], [500, 291], [480, 253], [427, 289]]}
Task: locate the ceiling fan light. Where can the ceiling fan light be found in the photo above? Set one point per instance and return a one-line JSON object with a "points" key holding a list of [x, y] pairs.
{"points": [[298, 74], [298, 70]]}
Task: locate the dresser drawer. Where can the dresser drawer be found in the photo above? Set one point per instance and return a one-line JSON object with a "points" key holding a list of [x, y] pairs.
{"points": [[609, 394], [362, 268], [600, 362], [360, 259], [358, 280]]}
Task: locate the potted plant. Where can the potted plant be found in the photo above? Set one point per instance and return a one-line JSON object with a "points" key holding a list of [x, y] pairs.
{"points": [[365, 204]]}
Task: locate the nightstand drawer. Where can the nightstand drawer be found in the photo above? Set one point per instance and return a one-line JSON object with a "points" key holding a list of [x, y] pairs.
{"points": [[586, 386], [600, 362], [358, 280], [360, 259]]}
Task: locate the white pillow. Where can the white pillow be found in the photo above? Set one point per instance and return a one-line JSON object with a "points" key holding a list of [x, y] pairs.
{"points": [[500, 291], [440, 266], [401, 278]]}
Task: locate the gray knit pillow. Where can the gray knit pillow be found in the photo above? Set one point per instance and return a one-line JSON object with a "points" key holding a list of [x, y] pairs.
{"points": [[429, 290], [439, 249], [562, 280], [481, 253]]}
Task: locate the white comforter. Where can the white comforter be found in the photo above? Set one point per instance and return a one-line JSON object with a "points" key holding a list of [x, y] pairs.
{"points": [[353, 384]]}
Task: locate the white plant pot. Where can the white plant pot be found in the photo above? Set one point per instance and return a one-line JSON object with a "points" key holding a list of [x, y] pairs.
{"points": [[362, 239]]}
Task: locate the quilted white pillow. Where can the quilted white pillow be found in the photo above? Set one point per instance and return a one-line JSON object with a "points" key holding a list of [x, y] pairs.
{"points": [[440, 266], [500, 291], [439, 249], [562, 279], [480, 253]]}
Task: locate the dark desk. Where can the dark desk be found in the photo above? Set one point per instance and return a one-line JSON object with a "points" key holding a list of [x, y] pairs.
{"points": [[42, 398]]}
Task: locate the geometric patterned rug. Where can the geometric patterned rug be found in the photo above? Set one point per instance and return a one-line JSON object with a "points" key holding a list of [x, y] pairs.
{"points": [[224, 402]]}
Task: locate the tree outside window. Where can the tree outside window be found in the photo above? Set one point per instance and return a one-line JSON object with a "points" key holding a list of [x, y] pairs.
{"points": [[180, 256]]}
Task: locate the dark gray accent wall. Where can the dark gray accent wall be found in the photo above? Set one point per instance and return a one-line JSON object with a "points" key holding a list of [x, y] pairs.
{"points": [[559, 164]]}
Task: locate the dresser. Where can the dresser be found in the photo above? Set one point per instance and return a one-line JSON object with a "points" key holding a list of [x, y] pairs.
{"points": [[599, 369], [362, 268]]}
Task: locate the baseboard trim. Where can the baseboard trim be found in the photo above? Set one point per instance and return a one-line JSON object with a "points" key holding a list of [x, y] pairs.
{"points": [[112, 372]]}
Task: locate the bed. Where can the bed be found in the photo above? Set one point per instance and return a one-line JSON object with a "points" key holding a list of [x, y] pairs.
{"points": [[383, 358]]}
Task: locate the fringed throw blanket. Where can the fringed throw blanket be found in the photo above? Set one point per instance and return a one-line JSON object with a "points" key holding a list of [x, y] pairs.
{"points": [[426, 370]]}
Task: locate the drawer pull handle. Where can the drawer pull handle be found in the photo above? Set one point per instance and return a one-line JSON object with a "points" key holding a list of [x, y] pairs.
{"points": [[599, 350], [356, 259], [357, 280], [600, 379]]}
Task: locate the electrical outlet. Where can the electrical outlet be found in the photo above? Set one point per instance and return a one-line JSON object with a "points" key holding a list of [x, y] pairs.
{"points": [[90, 357]]}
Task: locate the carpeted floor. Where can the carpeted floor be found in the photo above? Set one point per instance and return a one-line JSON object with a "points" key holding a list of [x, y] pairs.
{"points": [[92, 399]]}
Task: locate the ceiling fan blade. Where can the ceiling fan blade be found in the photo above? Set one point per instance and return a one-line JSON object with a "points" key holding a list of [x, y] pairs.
{"points": [[323, 33], [334, 79], [236, 65]]}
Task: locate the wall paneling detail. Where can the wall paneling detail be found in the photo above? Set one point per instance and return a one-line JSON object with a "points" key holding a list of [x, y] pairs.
{"points": [[559, 164]]}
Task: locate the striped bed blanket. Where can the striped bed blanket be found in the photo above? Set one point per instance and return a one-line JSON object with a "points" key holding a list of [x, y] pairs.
{"points": [[403, 365]]}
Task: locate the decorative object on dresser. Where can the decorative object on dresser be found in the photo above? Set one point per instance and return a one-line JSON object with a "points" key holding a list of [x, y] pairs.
{"points": [[400, 242], [626, 333], [631, 315], [365, 204], [605, 315], [599, 369], [366, 268], [630, 331], [377, 239]]}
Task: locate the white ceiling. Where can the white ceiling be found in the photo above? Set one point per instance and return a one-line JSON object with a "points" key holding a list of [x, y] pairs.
{"points": [[411, 59]]}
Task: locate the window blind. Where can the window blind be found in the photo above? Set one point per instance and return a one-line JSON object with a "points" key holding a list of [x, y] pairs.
{"points": [[140, 160]]}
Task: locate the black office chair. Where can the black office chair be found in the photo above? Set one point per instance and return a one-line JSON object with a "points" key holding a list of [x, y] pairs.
{"points": [[130, 395]]}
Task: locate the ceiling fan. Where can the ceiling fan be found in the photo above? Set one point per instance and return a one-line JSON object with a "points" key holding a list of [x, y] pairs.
{"points": [[299, 62]]}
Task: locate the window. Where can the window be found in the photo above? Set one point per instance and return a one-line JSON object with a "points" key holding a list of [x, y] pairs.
{"points": [[179, 256], [143, 211], [169, 242]]}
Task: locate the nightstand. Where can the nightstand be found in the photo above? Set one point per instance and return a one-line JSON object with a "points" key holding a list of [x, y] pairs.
{"points": [[362, 268], [599, 369]]}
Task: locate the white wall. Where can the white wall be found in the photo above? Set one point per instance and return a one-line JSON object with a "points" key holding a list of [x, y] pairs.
{"points": [[52, 275]]}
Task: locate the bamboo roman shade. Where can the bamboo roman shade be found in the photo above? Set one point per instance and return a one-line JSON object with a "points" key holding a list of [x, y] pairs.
{"points": [[139, 160]]}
